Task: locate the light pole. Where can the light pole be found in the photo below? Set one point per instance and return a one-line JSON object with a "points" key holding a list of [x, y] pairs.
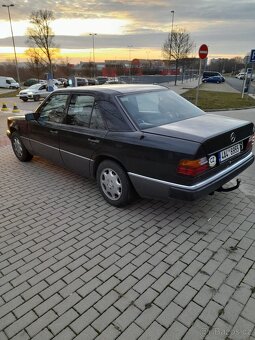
{"points": [[129, 57], [171, 40], [93, 42], [10, 20]]}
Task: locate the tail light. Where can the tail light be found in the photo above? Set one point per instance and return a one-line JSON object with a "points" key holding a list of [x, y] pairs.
{"points": [[192, 167]]}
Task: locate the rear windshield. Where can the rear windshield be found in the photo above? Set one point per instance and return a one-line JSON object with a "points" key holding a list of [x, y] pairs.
{"points": [[149, 109]]}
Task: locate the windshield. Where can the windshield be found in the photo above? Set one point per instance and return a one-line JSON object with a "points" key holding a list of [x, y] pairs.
{"points": [[149, 109], [10, 81]]}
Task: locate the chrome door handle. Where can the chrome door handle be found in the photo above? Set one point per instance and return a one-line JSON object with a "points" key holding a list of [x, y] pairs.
{"points": [[94, 140], [54, 132]]}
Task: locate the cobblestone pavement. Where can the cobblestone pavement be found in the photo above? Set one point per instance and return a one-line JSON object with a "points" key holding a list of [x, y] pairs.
{"points": [[74, 267]]}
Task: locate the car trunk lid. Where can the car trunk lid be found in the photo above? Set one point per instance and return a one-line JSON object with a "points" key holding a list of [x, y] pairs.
{"points": [[210, 130]]}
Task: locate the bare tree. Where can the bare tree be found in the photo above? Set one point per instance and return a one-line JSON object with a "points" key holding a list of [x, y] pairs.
{"points": [[36, 66], [177, 46], [40, 37]]}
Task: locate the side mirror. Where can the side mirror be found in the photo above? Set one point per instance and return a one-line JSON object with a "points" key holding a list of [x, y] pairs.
{"points": [[29, 116]]}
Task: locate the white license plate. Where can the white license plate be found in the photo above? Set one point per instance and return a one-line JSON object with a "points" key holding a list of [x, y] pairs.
{"points": [[229, 152]]}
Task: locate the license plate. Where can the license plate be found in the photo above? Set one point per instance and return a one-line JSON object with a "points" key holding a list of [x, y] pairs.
{"points": [[229, 152]]}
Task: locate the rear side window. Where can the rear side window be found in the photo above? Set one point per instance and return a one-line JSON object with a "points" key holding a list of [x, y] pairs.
{"points": [[113, 117], [79, 111]]}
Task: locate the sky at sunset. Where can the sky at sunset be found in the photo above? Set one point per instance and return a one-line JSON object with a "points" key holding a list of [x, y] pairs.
{"points": [[134, 28]]}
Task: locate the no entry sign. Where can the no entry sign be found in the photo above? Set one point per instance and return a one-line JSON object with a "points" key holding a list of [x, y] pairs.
{"points": [[203, 51]]}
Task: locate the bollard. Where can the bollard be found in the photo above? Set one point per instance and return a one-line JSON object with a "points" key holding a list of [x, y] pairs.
{"points": [[15, 109], [4, 107]]}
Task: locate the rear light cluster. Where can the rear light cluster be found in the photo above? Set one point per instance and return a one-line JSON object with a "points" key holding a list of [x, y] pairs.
{"points": [[193, 167]]}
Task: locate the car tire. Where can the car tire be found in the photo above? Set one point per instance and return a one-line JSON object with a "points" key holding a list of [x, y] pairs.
{"points": [[19, 149], [37, 98], [24, 99], [114, 183]]}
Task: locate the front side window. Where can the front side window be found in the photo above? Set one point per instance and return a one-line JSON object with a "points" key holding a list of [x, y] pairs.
{"points": [[54, 109], [79, 111], [43, 87], [157, 108]]}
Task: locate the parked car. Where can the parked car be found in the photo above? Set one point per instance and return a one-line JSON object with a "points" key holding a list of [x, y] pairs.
{"points": [[62, 80], [135, 139], [101, 79], [115, 81], [208, 74], [214, 79], [35, 92], [57, 82], [77, 81], [240, 75], [92, 81], [30, 82], [8, 83]]}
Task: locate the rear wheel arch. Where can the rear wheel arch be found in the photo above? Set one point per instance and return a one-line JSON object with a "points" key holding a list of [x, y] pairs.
{"points": [[102, 158]]}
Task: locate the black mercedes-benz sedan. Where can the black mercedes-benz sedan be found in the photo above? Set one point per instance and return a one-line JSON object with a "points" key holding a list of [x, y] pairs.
{"points": [[135, 139]]}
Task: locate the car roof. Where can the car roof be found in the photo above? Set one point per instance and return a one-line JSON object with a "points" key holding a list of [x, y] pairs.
{"points": [[114, 89]]}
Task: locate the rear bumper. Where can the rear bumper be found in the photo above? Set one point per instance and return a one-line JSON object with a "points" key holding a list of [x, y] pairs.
{"points": [[154, 188]]}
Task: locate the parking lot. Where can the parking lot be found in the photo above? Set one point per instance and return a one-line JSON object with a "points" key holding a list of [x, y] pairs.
{"points": [[74, 267]]}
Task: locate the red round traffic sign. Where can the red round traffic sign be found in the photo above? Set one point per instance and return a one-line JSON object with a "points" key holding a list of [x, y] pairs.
{"points": [[203, 51]]}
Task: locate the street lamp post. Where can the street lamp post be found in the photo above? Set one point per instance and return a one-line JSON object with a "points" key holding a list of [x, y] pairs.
{"points": [[93, 42], [13, 42], [129, 57], [171, 40]]}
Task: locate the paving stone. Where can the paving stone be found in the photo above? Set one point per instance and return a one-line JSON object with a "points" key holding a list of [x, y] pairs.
{"points": [[132, 332], [242, 329], [106, 301], [42, 322], [111, 332], [154, 331], [127, 299], [210, 313], [248, 311], [223, 294], [105, 319], [66, 334], [242, 293], [216, 279], [126, 318], [185, 296], [231, 311], [167, 317], [146, 298], [63, 322], [148, 316], [175, 332]]}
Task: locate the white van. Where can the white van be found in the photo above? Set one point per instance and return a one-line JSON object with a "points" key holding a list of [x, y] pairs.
{"points": [[8, 83]]}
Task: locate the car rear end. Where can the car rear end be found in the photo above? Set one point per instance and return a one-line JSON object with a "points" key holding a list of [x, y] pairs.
{"points": [[209, 151], [220, 158]]}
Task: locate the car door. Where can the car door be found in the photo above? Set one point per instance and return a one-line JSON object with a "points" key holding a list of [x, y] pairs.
{"points": [[44, 131], [82, 134]]}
